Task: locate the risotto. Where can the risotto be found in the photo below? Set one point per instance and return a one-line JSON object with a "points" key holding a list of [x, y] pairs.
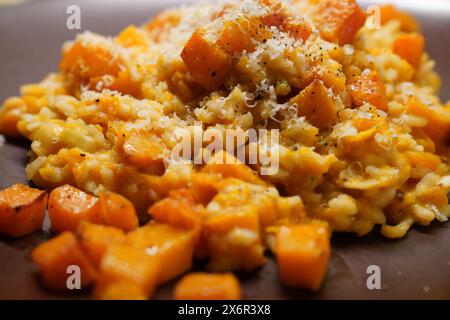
{"points": [[363, 135]]}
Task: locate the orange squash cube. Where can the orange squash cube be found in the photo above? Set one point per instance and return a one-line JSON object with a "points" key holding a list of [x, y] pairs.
{"points": [[124, 269], [86, 60], [228, 166], [22, 210], [68, 206], [174, 248], [235, 38], [208, 63], [95, 239], [204, 186], [56, 255], [368, 88], [438, 126], [315, 104], [410, 48], [118, 211], [177, 213], [407, 22], [339, 20], [207, 286], [302, 253], [279, 18], [143, 151], [131, 37]]}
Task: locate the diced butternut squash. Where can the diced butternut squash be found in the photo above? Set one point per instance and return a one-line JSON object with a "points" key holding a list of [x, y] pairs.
{"points": [[438, 126], [118, 211], [95, 239], [368, 88], [10, 113], [232, 240], [316, 105], [68, 206], [131, 37], [86, 60], [339, 20], [173, 247], [407, 22], [143, 151], [423, 160], [330, 73], [54, 258], [410, 48], [279, 18], [204, 186], [207, 286], [228, 166], [127, 272], [178, 212], [22, 210], [353, 142], [299, 30], [302, 253], [235, 39], [89, 63], [208, 63]]}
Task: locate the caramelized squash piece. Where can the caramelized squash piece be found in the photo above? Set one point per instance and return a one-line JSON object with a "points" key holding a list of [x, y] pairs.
{"points": [[22, 210], [117, 211], [68, 206], [178, 210], [339, 20], [208, 63], [368, 88], [232, 240], [407, 22], [302, 253], [423, 160], [56, 255], [315, 104], [143, 151], [173, 247], [207, 286], [236, 37], [127, 272], [10, 113], [204, 186], [131, 37], [279, 18], [410, 48], [95, 239], [88, 61], [228, 166], [438, 126]]}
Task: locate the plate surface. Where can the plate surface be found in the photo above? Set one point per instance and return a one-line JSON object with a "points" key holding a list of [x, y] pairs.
{"points": [[31, 35]]}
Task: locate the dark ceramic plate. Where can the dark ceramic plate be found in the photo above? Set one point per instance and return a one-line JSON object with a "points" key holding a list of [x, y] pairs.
{"points": [[31, 35]]}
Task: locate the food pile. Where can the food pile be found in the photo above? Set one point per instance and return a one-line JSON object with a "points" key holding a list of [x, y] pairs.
{"points": [[363, 142]]}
